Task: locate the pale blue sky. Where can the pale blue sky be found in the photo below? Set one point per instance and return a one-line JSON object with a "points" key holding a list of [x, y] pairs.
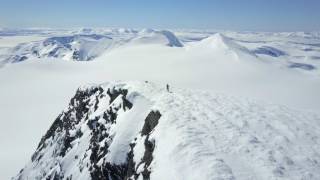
{"points": [[262, 15]]}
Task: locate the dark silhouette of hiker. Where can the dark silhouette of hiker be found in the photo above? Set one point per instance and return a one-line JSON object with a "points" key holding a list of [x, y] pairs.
{"points": [[168, 88]]}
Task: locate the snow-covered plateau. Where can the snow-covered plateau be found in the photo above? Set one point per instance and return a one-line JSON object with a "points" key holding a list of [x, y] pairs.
{"points": [[159, 104]]}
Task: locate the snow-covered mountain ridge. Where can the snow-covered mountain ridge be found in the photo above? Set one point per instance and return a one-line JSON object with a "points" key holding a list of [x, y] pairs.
{"points": [[85, 46], [286, 50], [74, 47], [142, 130], [302, 52]]}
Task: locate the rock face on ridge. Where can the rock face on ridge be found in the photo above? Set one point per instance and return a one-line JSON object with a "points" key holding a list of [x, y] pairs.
{"points": [[82, 134]]}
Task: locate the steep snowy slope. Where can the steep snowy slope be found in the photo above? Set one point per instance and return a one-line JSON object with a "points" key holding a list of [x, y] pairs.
{"points": [[298, 51], [219, 42], [139, 130], [221, 46]]}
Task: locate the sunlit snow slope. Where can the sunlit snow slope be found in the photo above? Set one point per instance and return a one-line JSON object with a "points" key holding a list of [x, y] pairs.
{"points": [[141, 130]]}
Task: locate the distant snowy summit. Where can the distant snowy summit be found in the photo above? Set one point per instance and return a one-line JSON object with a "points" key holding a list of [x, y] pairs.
{"points": [[142, 130], [148, 36], [220, 44]]}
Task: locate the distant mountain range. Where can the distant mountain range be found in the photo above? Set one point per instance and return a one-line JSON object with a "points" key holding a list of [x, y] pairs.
{"points": [[88, 44]]}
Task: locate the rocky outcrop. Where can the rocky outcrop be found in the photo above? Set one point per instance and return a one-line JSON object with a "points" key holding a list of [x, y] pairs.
{"points": [[82, 126], [150, 123]]}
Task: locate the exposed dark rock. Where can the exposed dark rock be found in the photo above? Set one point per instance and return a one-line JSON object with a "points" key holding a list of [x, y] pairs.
{"points": [[147, 157], [149, 147], [114, 93], [17, 58], [65, 130], [302, 66], [173, 40], [66, 143], [55, 176], [76, 55], [66, 120], [131, 171], [100, 133], [308, 49], [126, 104], [315, 57], [150, 122], [268, 50]]}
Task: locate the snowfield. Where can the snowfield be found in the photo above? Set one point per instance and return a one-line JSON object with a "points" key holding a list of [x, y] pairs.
{"points": [[249, 100], [198, 135]]}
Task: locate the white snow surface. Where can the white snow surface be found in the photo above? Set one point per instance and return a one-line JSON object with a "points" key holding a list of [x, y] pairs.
{"points": [[206, 136], [203, 135], [240, 64]]}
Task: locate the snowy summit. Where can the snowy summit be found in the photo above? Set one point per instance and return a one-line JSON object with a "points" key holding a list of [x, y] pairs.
{"points": [[142, 130]]}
